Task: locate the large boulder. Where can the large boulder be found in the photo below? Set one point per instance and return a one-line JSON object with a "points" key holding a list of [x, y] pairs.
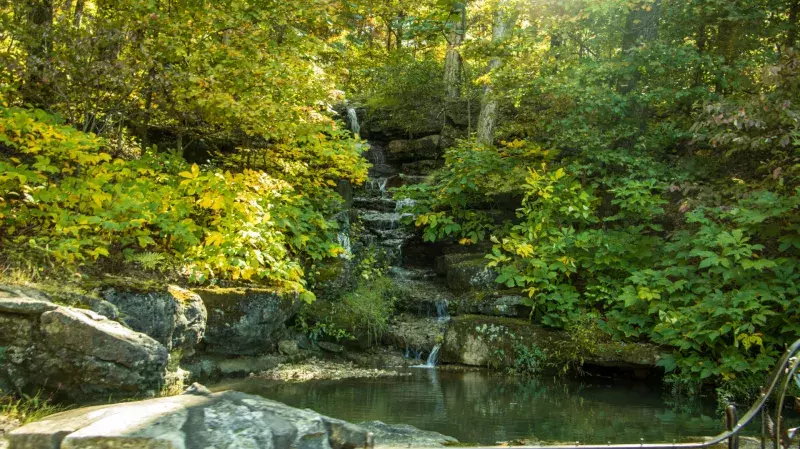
{"points": [[196, 420], [246, 321], [415, 150], [478, 340], [173, 316], [74, 353]]}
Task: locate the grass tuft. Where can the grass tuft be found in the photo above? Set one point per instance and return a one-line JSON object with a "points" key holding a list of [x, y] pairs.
{"points": [[28, 409]]}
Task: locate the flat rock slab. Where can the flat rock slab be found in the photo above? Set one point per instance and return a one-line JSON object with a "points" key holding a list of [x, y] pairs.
{"points": [[23, 306], [404, 435], [200, 420]]}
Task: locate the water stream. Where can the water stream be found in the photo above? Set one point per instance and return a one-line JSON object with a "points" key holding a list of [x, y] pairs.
{"points": [[484, 408]]}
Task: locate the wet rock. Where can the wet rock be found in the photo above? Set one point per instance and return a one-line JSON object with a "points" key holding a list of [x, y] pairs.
{"points": [[330, 347], [74, 353], [421, 296], [426, 148], [173, 316], [245, 321], [404, 435], [228, 419], [375, 204]]}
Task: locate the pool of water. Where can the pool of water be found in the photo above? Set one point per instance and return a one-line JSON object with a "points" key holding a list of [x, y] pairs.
{"points": [[483, 408]]}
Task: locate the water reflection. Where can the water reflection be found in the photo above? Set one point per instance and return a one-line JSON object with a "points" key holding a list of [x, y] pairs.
{"points": [[484, 408]]}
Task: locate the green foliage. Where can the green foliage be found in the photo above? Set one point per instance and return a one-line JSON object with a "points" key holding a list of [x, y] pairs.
{"points": [[67, 203], [474, 177], [361, 314], [28, 409], [722, 290], [529, 360], [410, 102], [369, 307]]}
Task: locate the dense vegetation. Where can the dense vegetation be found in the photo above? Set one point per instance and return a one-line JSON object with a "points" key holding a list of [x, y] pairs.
{"points": [[650, 148], [633, 162]]}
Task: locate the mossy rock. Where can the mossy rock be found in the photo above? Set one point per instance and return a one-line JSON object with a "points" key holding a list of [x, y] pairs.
{"points": [[506, 303], [466, 271], [246, 321], [479, 340]]}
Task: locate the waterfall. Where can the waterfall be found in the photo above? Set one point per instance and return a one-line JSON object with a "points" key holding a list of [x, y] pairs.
{"points": [[377, 185], [441, 310], [433, 358], [403, 204], [352, 117], [343, 237]]}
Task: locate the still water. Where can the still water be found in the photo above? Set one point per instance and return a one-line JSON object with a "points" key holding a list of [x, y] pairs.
{"points": [[482, 408]]}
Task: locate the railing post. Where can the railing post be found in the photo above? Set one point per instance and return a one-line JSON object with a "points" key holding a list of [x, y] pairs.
{"points": [[730, 422]]}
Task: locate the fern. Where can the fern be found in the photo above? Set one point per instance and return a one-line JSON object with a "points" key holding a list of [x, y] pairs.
{"points": [[149, 260]]}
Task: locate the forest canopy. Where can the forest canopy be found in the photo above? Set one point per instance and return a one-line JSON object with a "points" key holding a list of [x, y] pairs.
{"points": [[629, 163]]}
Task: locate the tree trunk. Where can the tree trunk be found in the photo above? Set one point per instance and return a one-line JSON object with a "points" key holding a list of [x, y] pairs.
{"points": [[78, 16], [701, 49], [791, 36], [487, 120], [641, 27], [37, 89], [452, 60], [726, 45]]}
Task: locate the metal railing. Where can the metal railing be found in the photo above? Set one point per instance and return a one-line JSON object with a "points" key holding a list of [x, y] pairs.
{"points": [[774, 430]]}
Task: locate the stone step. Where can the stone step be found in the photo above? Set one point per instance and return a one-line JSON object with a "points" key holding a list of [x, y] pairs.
{"points": [[374, 204], [382, 221]]}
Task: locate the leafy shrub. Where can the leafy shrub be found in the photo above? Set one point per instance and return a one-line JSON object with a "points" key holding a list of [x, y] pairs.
{"points": [[455, 203], [369, 307], [722, 289], [66, 201], [411, 102]]}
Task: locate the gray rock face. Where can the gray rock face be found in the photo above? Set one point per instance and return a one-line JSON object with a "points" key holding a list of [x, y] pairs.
{"points": [[414, 333], [404, 435], [176, 317], [415, 150], [246, 321], [198, 420], [218, 366], [74, 353]]}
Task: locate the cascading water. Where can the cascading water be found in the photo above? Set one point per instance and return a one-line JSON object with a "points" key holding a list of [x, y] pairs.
{"points": [[433, 357], [441, 311], [352, 117], [432, 360]]}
